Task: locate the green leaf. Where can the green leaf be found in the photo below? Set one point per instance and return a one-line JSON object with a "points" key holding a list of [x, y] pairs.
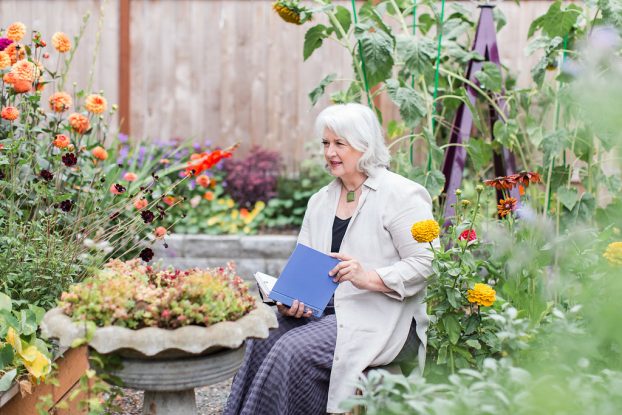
{"points": [[474, 344], [472, 324], [556, 22], [568, 196], [553, 143], [433, 181], [28, 322], [5, 302], [418, 54], [344, 18], [480, 153], [426, 21], [7, 380], [352, 94], [319, 90], [313, 39], [376, 48], [489, 77], [452, 328], [441, 359], [611, 11], [7, 354], [410, 102], [453, 296]]}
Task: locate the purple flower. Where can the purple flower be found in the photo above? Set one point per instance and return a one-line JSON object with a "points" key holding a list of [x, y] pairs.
{"points": [[123, 138], [46, 175], [146, 254], [4, 42], [123, 153], [69, 159]]}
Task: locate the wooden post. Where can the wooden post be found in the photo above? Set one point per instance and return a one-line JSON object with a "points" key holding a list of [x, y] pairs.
{"points": [[124, 66]]}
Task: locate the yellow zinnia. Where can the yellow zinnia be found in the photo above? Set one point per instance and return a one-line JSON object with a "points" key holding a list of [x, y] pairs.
{"points": [[425, 230], [482, 294], [613, 253]]}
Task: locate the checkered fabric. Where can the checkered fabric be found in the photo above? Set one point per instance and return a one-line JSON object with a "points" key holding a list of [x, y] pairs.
{"points": [[287, 373]]}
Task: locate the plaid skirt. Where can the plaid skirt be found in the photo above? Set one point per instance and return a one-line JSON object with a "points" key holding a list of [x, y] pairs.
{"points": [[288, 373]]}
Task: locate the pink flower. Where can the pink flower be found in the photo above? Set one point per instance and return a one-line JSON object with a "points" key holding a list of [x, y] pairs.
{"points": [[160, 232], [130, 177], [468, 234]]}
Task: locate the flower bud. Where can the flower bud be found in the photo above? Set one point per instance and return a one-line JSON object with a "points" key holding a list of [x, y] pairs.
{"points": [[458, 192], [479, 188]]}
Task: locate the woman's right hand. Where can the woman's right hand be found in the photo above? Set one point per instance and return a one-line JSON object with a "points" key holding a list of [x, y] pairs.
{"points": [[297, 310]]}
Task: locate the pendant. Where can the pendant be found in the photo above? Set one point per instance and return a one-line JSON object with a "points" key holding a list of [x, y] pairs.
{"points": [[350, 196]]}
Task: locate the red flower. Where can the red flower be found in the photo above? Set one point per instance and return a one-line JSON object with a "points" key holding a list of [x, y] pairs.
{"points": [[502, 183], [468, 234], [200, 162]]}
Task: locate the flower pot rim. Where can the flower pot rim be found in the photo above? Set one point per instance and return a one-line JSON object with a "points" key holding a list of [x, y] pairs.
{"points": [[151, 341]]}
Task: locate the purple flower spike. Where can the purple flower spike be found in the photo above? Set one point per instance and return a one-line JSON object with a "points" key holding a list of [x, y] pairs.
{"points": [[123, 138]]}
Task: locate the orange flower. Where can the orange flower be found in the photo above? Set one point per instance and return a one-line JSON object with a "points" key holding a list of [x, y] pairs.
{"points": [[61, 42], [60, 101], [99, 153], [208, 196], [61, 141], [5, 60], [506, 206], [95, 103], [203, 180], [502, 183], [117, 189], [244, 213], [40, 84], [130, 177], [15, 52], [16, 31], [8, 78], [21, 86], [165, 161], [79, 123], [160, 232], [9, 113], [24, 70], [528, 177], [169, 200], [204, 161], [140, 204]]}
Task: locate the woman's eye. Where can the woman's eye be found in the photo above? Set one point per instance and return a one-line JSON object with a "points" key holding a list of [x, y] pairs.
{"points": [[324, 143]]}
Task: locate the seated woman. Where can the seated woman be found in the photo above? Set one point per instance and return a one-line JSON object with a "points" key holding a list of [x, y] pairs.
{"points": [[309, 365]]}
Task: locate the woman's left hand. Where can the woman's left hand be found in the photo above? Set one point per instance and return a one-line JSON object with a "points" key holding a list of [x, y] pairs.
{"points": [[349, 269]]}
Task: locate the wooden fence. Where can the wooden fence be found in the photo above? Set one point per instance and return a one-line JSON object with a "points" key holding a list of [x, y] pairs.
{"points": [[219, 70]]}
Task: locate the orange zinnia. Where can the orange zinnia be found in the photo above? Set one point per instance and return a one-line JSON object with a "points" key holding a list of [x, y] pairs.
{"points": [[95, 103], [160, 232], [9, 113], [99, 153], [208, 196], [130, 177], [61, 42], [5, 60], [24, 70], [60, 101], [79, 123], [140, 204], [506, 206], [16, 31], [15, 52], [169, 200], [203, 180], [61, 141]]}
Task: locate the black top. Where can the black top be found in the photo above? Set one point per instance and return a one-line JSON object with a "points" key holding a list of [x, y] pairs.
{"points": [[339, 230]]}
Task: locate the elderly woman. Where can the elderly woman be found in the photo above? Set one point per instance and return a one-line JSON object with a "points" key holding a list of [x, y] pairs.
{"points": [[309, 365]]}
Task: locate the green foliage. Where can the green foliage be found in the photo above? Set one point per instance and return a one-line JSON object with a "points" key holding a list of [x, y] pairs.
{"points": [[489, 77]]}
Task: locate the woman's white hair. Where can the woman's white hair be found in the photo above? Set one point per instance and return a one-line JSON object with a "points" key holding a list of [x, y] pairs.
{"points": [[359, 126]]}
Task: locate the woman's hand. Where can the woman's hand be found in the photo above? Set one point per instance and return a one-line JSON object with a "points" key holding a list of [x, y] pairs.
{"points": [[297, 310], [349, 269]]}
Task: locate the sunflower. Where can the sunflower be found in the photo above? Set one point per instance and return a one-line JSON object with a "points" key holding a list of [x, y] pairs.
{"points": [[291, 11]]}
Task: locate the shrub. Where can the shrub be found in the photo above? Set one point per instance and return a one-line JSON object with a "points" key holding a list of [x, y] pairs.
{"points": [[253, 178]]}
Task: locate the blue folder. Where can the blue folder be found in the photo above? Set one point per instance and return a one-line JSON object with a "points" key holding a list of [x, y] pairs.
{"points": [[305, 278]]}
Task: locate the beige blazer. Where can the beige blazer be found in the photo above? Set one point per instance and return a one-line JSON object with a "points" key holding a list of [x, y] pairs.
{"points": [[371, 326]]}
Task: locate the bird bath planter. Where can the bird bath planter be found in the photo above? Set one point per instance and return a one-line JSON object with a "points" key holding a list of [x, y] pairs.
{"points": [[169, 364]]}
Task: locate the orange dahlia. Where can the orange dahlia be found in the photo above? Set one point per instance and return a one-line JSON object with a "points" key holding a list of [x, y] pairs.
{"points": [[95, 103], [9, 113], [16, 31], [5, 60], [61, 42], [506, 206], [79, 123], [61, 141], [99, 153], [8, 78], [24, 70], [15, 52], [21, 86], [60, 101]]}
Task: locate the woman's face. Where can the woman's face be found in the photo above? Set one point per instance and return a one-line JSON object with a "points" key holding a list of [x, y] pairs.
{"points": [[340, 156]]}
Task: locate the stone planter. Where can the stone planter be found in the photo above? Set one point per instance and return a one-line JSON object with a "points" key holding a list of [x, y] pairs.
{"points": [[169, 364]]}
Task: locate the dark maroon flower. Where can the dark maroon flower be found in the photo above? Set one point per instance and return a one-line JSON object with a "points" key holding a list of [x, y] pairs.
{"points": [[147, 216], [66, 205], [4, 42], [146, 254], [114, 216], [69, 159], [46, 175], [119, 188], [1, 175]]}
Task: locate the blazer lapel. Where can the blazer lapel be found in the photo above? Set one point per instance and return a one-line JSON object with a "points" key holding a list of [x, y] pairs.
{"points": [[333, 201]]}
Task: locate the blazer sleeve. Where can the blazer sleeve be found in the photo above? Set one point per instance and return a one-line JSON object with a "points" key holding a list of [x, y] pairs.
{"points": [[410, 275], [304, 237]]}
